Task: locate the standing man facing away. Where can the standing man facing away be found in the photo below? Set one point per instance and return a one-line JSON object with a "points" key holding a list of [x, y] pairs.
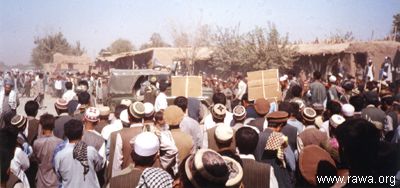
{"points": [[317, 89], [43, 150], [77, 163]]}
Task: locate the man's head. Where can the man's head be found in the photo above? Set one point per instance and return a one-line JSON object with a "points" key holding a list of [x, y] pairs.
{"points": [[218, 113], [19, 122], [296, 91], [136, 112], [92, 116], [8, 86], [31, 108], [84, 98], [358, 103], [309, 116], [61, 106], [145, 148], [262, 107], [277, 120], [47, 122], [334, 107], [181, 102], [163, 86], [148, 111], [317, 75], [68, 85], [118, 109], [40, 76], [219, 98], [73, 130], [83, 83], [245, 100], [246, 140], [159, 118], [358, 144], [173, 115]]}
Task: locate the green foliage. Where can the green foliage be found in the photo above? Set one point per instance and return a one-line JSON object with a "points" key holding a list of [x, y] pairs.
{"points": [[227, 49], [256, 50], [155, 41], [120, 45], [47, 46]]}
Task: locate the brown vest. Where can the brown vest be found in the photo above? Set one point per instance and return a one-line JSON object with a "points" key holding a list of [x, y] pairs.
{"points": [[33, 130], [12, 180], [183, 142], [214, 145], [313, 136], [127, 135], [129, 178], [92, 139], [255, 174]]}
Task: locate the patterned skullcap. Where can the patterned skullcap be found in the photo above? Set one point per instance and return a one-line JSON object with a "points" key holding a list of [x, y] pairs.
{"points": [[92, 114], [218, 111]]}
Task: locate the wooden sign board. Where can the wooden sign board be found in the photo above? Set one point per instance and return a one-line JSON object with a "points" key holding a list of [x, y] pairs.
{"points": [[188, 86], [264, 84]]}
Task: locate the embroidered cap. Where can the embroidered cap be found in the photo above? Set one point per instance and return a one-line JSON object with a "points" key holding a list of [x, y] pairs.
{"points": [[61, 104], [239, 112], [18, 121], [208, 168], [92, 114], [218, 111], [136, 110]]}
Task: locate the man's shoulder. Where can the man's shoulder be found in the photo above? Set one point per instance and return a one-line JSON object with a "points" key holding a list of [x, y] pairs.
{"points": [[189, 120]]}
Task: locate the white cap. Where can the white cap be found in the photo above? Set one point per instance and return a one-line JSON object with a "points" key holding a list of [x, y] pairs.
{"points": [[146, 144], [148, 109], [283, 78], [124, 116], [223, 133], [348, 110], [92, 114], [332, 78], [336, 120], [126, 102]]}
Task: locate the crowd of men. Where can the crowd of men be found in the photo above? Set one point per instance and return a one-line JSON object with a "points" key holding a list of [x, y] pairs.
{"points": [[322, 127]]}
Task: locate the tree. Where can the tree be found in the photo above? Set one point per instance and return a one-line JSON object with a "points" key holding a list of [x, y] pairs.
{"points": [[155, 41], [396, 27], [256, 50], [189, 43], [47, 46], [227, 49], [266, 49], [120, 45], [340, 37]]}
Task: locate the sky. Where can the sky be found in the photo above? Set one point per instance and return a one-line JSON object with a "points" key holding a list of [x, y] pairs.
{"points": [[97, 23]]}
